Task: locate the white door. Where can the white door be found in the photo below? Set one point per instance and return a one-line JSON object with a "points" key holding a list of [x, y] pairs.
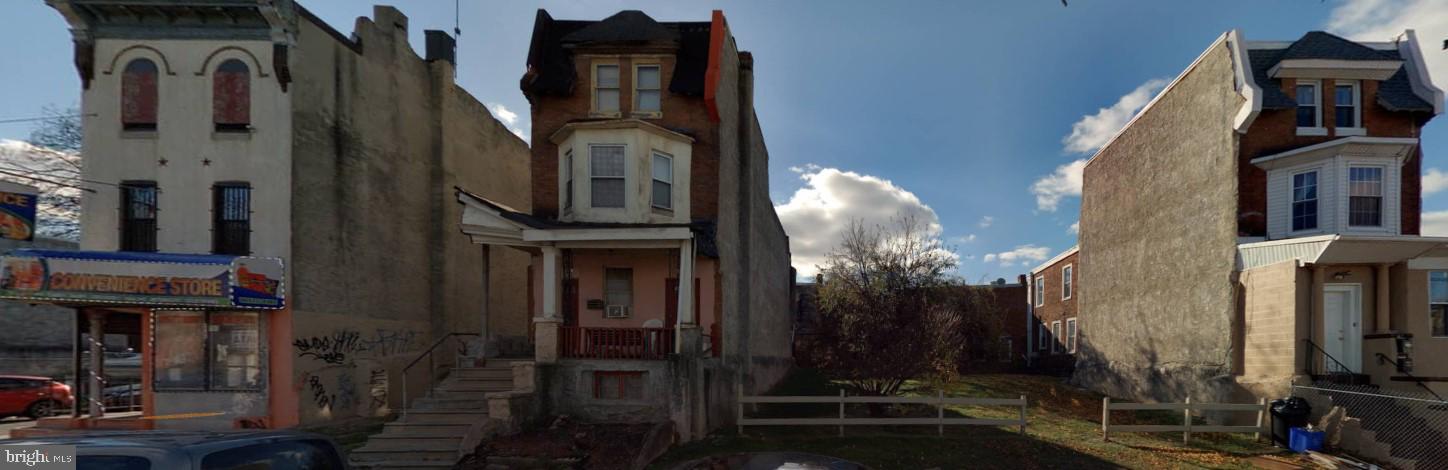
{"points": [[1342, 336]]}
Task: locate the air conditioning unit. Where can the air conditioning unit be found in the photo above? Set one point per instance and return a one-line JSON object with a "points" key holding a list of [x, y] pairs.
{"points": [[616, 311]]}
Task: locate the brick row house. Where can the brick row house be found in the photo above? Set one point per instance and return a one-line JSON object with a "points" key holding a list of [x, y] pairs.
{"points": [[1054, 331], [1257, 224], [660, 283], [271, 202]]}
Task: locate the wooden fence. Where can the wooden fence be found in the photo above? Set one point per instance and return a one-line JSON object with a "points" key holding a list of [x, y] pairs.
{"points": [[939, 401], [615, 343], [1186, 428]]}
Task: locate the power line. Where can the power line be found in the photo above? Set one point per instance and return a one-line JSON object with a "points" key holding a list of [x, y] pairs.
{"points": [[45, 118], [49, 181]]}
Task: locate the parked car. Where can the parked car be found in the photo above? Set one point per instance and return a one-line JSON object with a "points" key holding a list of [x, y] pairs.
{"points": [[198, 450], [36, 397]]}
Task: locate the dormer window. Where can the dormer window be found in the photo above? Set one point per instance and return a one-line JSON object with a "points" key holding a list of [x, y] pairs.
{"points": [[1309, 109], [1365, 196], [1304, 201], [606, 169], [647, 89], [605, 89], [1347, 107]]}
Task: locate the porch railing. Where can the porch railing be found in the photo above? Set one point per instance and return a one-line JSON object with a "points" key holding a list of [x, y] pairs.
{"points": [[1322, 364], [1404, 370], [615, 343]]}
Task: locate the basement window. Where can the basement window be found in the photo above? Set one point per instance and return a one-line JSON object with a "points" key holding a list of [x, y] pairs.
{"points": [[618, 384]]}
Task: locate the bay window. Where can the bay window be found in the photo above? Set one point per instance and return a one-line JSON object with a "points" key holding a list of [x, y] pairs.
{"points": [[1365, 196], [1304, 201]]}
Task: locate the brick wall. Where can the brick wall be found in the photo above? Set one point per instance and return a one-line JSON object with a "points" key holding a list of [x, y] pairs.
{"points": [[1275, 131], [1055, 309], [684, 114]]}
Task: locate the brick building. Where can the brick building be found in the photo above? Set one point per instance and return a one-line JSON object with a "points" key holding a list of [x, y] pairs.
{"points": [[1054, 330]]}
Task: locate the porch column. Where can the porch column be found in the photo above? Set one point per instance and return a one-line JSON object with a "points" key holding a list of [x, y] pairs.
{"points": [[689, 340], [1383, 323], [546, 331], [97, 366]]}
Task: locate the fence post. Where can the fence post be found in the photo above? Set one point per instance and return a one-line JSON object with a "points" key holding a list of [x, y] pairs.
{"points": [[1023, 415], [1187, 422], [739, 407], [1106, 419], [1261, 410], [842, 412], [940, 412]]}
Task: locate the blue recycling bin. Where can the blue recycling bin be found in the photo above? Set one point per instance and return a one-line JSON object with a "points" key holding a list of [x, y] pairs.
{"points": [[1303, 440]]}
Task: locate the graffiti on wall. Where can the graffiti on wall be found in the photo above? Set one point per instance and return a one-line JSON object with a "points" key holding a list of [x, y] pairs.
{"points": [[344, 345], [377, 387], [319, 394]]}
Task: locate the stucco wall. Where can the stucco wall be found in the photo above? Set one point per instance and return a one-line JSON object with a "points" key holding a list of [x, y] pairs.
{"points": [[650, 269], [348, 366], [569, 385], [1158, 239], [384, 138], [1409, 311]]}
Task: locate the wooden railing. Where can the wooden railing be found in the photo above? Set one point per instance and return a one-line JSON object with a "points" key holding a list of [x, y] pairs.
{"points": [[1186, 428], [615, 343], [939, 401]]}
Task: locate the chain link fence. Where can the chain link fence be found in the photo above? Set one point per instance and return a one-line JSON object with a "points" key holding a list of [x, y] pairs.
{"points": [[1402, 428]]}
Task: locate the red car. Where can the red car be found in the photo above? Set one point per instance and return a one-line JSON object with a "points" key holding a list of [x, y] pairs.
{"points": [[36, 397]]}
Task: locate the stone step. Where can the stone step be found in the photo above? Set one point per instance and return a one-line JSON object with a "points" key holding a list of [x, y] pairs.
{"points": [[444, 417], [425, 428]]}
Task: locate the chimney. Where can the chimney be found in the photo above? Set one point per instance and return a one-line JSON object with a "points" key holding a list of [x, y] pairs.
{"points": [[441, 46]]}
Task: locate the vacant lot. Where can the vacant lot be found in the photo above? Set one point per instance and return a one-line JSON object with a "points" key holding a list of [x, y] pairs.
{"points": [[1064, 432]]}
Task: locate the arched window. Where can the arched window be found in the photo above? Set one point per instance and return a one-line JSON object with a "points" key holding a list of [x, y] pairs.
{"points": [[231, 97], [138, 95]]}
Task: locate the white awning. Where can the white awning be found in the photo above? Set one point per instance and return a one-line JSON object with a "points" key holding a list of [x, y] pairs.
{"points": [[1338, 249]]}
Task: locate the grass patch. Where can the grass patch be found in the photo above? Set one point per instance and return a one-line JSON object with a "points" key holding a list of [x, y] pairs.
{"points": [[1064, 431]]}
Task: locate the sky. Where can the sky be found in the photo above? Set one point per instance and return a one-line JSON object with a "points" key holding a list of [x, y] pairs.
{"points": [[973, 117]]}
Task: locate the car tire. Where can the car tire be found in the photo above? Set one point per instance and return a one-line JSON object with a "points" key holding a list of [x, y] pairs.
{"points": [[41, 409]]}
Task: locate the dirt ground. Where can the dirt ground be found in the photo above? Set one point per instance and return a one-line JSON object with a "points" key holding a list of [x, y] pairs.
{"points": [[600, 446]]}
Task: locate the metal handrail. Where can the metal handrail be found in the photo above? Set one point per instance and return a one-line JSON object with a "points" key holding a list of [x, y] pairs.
{"points": [[1341, 369], [1398, 365], [431, 367]]}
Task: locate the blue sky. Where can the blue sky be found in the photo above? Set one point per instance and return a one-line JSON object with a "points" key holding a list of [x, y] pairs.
{"points": [[949, 110]]}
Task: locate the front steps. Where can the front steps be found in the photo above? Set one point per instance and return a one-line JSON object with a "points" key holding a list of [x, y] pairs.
{"points": [[430, 434]]}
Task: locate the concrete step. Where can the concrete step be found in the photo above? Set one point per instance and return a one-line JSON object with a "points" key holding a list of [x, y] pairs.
{"points": [[498, 373], [425, 429], [402, 464], [441, 403], [507, 382], [376, 452], [462, 394], [444, 417], [475, 386], [409, 443]]}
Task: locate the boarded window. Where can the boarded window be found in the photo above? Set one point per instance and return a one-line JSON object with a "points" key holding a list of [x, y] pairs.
{"points": [[138, 96], [231, 96], [138, 216], [231, 219], [180, 351], [235, 350]]}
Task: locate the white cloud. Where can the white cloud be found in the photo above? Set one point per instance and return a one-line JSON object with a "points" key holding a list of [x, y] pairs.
{"points": [[1434, 181], [1064, 182], [1384, 20], [1023, 255], [509, 119], [986, 221], [818, 213], [1435, 224], [968, 238], [1075, 228], [1091, 132], [807, 168]]}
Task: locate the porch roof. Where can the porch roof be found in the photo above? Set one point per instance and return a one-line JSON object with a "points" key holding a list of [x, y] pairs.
{"points": [[490, 223], [1338, 249], [1386, 147]]}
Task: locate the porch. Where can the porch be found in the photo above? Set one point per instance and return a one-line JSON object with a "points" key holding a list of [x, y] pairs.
{"points": [[1361, 310]]}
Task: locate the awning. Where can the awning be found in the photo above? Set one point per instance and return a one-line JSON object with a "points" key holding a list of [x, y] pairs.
{"points": [[142, 279], [1338, 249]]}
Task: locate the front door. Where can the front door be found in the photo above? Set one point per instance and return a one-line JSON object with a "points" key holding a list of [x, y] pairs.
{"points": [[1342, 336]]}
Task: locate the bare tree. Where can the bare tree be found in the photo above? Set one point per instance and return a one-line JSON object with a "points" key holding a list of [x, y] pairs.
{"points": [[50, 161], [890, 309]]}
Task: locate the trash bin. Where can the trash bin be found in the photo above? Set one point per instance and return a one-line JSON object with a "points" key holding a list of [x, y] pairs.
{"points": [[1288, 413], [1304, 440]]}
